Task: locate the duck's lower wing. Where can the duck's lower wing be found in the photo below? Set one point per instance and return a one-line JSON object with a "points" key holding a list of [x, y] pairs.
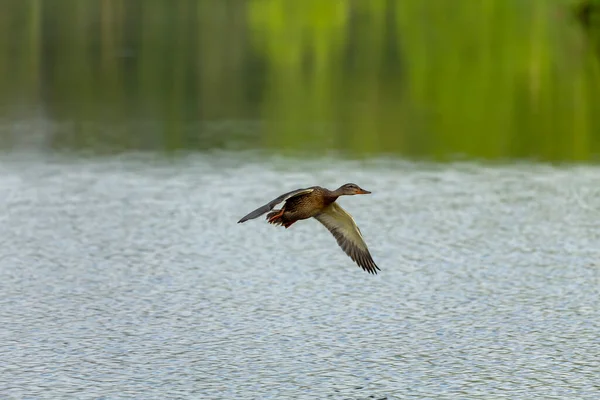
{"points": [[348, 236], [270, 205]]}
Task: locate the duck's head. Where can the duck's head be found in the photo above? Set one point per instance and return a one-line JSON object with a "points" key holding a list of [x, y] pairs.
{"points": [[350, 189]]}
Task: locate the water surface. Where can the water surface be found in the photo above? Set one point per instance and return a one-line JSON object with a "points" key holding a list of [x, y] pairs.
{"points": [[128, 277]]}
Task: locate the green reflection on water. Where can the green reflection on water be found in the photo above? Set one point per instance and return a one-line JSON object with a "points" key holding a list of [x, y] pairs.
{"points": [[486, 79]]}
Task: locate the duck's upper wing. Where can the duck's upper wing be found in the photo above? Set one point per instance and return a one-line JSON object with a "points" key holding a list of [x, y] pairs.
{"points": [[269, 206], [346, 232]]}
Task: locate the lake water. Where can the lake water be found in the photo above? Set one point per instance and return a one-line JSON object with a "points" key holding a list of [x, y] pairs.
{"points": [[128, 277]]}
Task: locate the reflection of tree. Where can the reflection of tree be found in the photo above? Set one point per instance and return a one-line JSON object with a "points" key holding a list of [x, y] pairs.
{"points": [[588, 14], [489, 79], [492, 78]]}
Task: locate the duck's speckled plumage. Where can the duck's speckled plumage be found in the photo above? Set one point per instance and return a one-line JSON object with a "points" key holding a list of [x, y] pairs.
{"points": [[319, 203]]}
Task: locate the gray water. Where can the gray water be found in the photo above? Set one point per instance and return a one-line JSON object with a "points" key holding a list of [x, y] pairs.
{"points": [[128, 277]]}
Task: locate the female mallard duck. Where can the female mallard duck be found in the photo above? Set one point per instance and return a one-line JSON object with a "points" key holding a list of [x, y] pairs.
{"points": [[320, 203]]}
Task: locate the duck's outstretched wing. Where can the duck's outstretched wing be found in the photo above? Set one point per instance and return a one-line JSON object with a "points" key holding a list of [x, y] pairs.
{"points": [[270, 205], [346, 232]]}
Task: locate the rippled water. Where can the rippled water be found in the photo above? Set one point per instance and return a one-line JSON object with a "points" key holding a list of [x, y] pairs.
{"points": [[130, 278]]}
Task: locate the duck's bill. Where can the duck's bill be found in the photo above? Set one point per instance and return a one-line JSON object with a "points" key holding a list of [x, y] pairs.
{"points": [[363, 191]]}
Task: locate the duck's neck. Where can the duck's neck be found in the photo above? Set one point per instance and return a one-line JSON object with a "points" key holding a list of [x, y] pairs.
{"points": [[332, 196], [337, 192]]}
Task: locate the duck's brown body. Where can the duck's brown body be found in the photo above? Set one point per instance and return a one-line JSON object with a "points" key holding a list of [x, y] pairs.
{"points": [[302, 206], [320, 203]]}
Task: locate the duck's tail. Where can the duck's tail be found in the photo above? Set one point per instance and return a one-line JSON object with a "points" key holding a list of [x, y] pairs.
{"points": [[276, 218]]}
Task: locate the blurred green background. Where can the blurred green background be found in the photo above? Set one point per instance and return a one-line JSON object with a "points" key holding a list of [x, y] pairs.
{"points": [[438, 79]]}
